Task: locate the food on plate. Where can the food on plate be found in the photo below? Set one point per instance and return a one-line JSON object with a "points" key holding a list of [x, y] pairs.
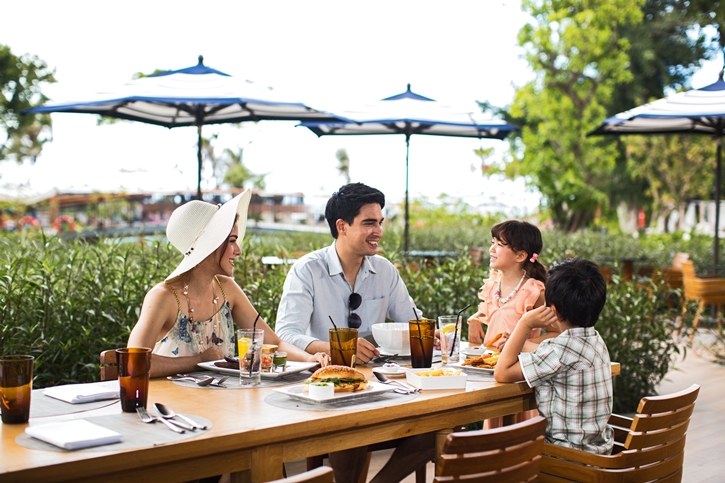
{"points": [[486, 361], [268, 351], [228, 363], [269, 348], [345, 379], [439, 373], [498, 336]]}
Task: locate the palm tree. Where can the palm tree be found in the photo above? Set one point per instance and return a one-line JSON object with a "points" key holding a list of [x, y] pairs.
{"points": [[343, 164]]}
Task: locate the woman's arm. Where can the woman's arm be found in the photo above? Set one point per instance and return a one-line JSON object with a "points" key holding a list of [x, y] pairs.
{"points": [[244, 315], [158, 315]]}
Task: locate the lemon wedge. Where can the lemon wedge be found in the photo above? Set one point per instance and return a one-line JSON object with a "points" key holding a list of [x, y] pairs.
{"points": [[448, 328], [243, 345]]}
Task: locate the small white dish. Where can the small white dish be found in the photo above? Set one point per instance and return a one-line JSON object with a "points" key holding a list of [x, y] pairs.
{"points": [[321, 390], [476, 351], [399, 372]]}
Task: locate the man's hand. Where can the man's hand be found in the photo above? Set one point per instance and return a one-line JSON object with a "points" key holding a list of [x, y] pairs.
{"points": [[321, 358], [365, 351]]}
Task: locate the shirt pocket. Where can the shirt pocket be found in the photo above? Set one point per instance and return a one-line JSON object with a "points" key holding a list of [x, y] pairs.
{"points": [[373, 312]]}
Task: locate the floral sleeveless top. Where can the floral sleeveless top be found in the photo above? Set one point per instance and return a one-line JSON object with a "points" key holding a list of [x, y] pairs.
{"points": [[191, 338]]}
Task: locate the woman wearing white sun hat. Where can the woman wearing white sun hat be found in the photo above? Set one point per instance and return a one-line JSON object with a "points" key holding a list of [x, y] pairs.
{"points": [[189, 318]]}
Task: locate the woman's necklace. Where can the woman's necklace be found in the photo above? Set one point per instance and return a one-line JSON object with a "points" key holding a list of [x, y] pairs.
{"points": [[497, 293], [201, 344]]}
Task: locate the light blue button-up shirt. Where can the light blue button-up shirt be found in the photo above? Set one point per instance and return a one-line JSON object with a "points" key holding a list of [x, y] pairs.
{"points": [[316, 289]]}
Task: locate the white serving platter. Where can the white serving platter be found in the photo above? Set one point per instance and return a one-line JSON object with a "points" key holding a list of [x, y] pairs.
{"points": [[435, 382], [372, 389], [292, 368]]}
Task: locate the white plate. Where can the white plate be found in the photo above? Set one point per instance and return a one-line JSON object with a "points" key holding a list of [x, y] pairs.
{"points": [[471, 369], [394, 374], [476, 351], [297, 392], [435, 382], [292, 368], [383, 352]]}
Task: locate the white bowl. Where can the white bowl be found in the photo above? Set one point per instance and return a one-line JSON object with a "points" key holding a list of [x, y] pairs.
{"points": [[392, 337]]}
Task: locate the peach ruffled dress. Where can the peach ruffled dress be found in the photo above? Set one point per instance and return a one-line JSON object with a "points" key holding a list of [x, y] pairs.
{"points": [[503, 318]]}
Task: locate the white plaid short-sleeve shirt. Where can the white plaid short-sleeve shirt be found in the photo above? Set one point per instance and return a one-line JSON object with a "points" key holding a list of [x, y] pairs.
{"points": [[571, 376]]}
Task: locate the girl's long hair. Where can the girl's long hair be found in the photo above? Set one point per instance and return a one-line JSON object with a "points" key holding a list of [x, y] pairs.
{"points": [[523, 236]]}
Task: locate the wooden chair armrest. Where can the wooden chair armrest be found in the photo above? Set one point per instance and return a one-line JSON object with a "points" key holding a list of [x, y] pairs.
{"points": [[578, 457]]}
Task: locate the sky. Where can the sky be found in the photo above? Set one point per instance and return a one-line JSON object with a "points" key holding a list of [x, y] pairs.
{"points": [[323, 53]]}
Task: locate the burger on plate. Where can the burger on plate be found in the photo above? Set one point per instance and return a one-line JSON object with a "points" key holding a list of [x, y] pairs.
{"points": [[345, 379]]}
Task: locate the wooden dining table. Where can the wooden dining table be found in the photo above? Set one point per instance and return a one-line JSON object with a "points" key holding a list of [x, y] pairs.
{"points": [[250, 438]]}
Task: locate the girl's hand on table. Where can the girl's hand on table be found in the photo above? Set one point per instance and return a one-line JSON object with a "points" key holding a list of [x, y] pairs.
{"points": [[475, 331]]}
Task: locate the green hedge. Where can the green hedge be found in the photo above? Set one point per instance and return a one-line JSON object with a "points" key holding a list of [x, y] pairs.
{"points": [[65, 301]]}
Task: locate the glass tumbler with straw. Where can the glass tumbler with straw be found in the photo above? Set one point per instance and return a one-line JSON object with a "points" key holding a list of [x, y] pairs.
{"points": [[249, 344], [343, 345], [422, 336]]}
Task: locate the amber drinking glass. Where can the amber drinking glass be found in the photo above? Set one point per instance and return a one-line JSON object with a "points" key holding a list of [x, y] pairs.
{"points": [[16, 384], [422, 335], [343, 346], [134, 364]]}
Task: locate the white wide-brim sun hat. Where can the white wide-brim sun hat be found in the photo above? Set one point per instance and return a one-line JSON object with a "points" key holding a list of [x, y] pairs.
{"points": [[198, 228]]}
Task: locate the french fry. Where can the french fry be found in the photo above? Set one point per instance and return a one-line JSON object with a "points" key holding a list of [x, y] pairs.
{"points": [[439, 373]]}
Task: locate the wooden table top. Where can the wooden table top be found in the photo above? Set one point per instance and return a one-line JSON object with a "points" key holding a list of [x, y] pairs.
{"points": [[247, 430]]}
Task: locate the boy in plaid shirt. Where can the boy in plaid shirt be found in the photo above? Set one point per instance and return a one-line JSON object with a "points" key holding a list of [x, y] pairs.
{"points": [[571, 373]]}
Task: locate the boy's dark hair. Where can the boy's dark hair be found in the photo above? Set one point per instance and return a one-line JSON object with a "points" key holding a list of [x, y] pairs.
{"points": [[523, 236], [578, 291], [346, 202]]}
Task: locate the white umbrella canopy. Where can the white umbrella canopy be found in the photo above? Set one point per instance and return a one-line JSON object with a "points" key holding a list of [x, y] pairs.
{"points": [[697, 111], [193, 96], [409, 113]]}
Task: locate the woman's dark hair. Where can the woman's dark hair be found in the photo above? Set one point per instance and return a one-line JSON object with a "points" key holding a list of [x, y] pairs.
{"points": [[346, 202], [523, 236], [577, 289]]}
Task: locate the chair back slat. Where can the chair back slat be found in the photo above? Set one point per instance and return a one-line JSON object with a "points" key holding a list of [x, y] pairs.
{"points": [[109, 365], [650, 422], [510, 454]]}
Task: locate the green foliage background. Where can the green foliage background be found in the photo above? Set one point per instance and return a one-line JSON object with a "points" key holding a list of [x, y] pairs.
{"points": [[66, 301]]}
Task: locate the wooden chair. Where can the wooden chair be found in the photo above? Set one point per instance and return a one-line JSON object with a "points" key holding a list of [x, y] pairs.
{"points": [[323, 474], [509, 454], [109, 365], [706, 291], [649, 447]]}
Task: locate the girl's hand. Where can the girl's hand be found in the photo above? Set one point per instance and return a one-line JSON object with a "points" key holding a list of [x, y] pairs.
{"points": [[211, 354], [498, 345], [475, 331]]}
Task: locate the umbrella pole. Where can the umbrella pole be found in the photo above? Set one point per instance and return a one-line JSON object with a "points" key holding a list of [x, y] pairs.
{"points": [[718, 144], [198, 160], [407, 217]]}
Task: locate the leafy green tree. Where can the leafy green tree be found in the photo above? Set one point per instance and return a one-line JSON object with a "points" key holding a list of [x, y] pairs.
{"points": [[238, 175], [343, 164], [21, 80], [578, 56], [678, 168]]}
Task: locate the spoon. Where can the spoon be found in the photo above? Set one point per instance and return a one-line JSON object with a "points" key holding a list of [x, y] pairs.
{"points": [[201, 381], [167, 413], [385, 380]]}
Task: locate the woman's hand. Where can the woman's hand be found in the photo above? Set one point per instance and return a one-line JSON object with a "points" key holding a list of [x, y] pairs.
{"points": [[321, 358], [475, 330], [211, 354]]}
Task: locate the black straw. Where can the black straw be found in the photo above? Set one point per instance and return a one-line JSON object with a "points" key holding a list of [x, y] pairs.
{"points": [[455, 334], [254, 328], [339, 344]]}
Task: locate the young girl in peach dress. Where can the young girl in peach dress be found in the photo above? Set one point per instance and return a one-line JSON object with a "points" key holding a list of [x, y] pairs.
{"points": [[515, 286]]}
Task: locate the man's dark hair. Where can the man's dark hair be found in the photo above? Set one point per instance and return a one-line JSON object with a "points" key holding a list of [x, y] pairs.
{"points": [[346, 202], [578, 291]]}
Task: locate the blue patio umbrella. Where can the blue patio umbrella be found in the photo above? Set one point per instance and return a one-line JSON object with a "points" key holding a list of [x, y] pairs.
{"points": [[409, 113], [697, 111], [193, 96]]}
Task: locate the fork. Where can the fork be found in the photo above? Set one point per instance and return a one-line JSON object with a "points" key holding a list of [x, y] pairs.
{"points": [[219, 382], [147, 418]]}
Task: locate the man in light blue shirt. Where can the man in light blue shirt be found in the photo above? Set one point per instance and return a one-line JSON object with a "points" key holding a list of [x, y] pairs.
{"points": [[357, 288], [346, 281]]}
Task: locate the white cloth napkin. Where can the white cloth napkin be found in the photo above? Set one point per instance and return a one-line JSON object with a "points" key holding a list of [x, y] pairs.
{"points": [[83, 393], [75, 434]]}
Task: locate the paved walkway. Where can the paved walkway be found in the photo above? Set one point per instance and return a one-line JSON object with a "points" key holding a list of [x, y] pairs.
{"points": [[705, 450]]}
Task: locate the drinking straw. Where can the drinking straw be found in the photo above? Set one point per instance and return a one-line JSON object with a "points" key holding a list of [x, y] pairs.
{"points": [[420, 334], [254, 328], [339, 344], [455, 334]]}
